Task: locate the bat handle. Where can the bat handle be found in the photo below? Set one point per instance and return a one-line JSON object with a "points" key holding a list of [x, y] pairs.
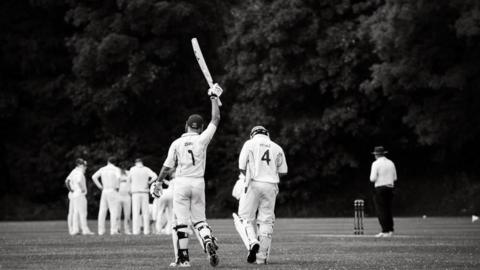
{"points": [[210, 83]]}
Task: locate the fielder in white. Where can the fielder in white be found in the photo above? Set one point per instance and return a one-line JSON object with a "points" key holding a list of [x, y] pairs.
{"points": [[140, 176], [110, 182], [164, 212], [188, 155], [77, 185], [70, 208], [125, 200], [263, 162]]}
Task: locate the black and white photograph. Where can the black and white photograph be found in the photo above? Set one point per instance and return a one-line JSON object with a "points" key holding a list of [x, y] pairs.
{"points": [[240, 134]]}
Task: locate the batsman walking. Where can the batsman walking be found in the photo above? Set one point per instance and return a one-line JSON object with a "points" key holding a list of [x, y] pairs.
{"points": [[188, 156], [262, 161]]}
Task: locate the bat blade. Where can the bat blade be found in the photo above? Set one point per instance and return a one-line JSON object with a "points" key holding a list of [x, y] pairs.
{"points": [[203, 65]]}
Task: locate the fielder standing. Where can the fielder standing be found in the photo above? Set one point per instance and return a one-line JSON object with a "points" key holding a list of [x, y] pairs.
{"points": [[140, 177], [70, 207], [164, 213], [263, 162], [188, 155], [109, 175], [383, 174], [125, 200], [76, 181]]}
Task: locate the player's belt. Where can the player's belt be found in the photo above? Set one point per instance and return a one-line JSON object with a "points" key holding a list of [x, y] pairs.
{"points": [[133, 192], [110, 189]]}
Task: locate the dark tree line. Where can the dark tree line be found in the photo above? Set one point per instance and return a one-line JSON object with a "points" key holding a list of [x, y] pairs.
{"points": [[329, 79]]}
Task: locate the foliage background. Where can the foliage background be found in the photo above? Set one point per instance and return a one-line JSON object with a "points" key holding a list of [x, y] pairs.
{"points": [[329, 79]]}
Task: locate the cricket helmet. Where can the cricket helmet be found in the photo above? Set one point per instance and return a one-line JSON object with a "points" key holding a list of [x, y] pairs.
{"points": [[259, 130]]}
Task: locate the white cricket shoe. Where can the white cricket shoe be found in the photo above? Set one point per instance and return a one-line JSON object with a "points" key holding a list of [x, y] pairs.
{"points": [[261, 261], [88, 233], [388, 234], [378, 235], [261, 258], [183, 264]]}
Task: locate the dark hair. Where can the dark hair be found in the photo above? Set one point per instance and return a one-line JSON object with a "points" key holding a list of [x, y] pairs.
{"points": [[112, 160], [80, 161]]}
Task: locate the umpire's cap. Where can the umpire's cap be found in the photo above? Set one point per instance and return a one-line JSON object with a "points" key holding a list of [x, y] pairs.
{"points": [[258, 130], [195, 121], [379, 150]]}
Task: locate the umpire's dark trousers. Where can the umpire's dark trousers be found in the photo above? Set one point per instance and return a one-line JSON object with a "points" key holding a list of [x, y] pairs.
{"points": [[383, 203]]}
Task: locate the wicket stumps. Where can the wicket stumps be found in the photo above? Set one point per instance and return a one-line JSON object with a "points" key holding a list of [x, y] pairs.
{"points": [[358, 206]]}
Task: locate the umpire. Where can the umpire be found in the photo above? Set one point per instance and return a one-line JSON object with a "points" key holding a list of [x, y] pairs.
{"points": [[383, 174]]}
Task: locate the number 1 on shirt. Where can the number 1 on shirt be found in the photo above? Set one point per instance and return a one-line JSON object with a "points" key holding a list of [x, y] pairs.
{"points": [[193, 158]]}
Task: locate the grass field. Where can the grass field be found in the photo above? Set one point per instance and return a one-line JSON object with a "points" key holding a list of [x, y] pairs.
{"points": [[325, 243]]}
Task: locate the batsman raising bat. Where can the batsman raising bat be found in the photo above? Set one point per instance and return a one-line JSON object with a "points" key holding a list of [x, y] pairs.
{"points": [[187, 156]]}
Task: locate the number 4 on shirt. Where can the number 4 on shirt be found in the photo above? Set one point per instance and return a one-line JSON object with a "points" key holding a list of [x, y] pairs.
{"points": [[266, 157]]}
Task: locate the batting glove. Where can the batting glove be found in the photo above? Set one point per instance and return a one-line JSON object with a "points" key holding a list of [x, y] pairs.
{"points": [[156, 189], [215, 91]]}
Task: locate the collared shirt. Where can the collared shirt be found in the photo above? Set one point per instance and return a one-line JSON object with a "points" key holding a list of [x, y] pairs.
{"points": [[383, 172], [139, 177], [110, 175], [77, 182], [189, 153], [262, 159]]}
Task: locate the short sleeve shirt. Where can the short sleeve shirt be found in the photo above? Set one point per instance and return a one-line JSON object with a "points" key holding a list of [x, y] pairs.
{"points": [[189, 153], [263, 159]]}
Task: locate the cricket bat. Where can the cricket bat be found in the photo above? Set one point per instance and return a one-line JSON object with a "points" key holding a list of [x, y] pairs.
{"points": [[203, 65]]}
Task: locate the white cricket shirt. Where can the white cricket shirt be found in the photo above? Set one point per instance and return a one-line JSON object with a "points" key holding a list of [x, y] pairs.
{"points": [[110, 175], [263, 159], [139, 177], [125, 183], [383, 172], [77, 182], [189, 153]]}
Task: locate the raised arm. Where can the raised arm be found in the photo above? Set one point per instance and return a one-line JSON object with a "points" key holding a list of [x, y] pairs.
{"points": [[214, 92], [215, 112]]}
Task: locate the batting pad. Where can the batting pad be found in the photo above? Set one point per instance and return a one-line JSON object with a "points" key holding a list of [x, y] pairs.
{"points": [[265, 232], [199, 238], [242, 231]]}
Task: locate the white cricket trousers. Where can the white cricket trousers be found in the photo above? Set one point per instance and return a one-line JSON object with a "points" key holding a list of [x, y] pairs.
{"points": [[108, 202], [260, 196], [164, 212], [189, 200], [70, 214], [140, 207], [125, 204], [79, 219]]}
